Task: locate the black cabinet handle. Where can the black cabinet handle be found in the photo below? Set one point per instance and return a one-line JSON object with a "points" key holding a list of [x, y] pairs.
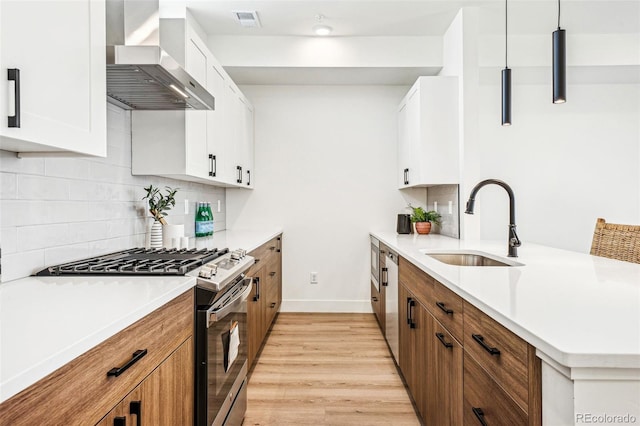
{"points": [[479, 415], [445, 309], [406, 176], [257, 296], [375, 299], [385, 277], [137, 356], [213, 165], [13, 74], [279, 249], [239, 169], [248, 177], [440, 337], [410, 304], [478, 338], [135, 408], [120, 421]]}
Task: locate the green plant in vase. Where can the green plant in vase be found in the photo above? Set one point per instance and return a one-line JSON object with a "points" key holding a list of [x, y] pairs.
{"points": [[159, 203]]}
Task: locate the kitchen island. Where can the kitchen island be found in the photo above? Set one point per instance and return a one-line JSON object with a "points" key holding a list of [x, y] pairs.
{"points": [[45, 322], [580, 312]]}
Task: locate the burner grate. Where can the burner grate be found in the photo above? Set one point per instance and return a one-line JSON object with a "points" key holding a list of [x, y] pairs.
{"points": [[138, 261]]}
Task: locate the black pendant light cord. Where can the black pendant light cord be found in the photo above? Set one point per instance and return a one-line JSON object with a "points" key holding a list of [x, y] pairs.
{"points": [[558, 14], [505, 34]]}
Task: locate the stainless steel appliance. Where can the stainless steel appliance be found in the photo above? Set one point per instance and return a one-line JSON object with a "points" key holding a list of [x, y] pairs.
{"points": [[375, 263], [390, 281], [144, 71], [221, 340], [220, 317]]}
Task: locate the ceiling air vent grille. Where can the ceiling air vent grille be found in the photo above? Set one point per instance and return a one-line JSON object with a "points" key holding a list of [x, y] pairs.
{"points": [[247, 18]]}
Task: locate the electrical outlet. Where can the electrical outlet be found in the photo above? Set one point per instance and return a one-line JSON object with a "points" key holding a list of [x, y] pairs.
{"points": [[186, 206], [450, 207], [314, 278], [218, 206]]}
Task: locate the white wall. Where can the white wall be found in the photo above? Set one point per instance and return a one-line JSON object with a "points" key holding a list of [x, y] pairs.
{"points": [[57, 210], [567, 164], [326, 172]]}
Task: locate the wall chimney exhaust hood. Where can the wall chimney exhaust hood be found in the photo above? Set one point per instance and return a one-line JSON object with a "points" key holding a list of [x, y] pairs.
{"points": [[141, 75]]}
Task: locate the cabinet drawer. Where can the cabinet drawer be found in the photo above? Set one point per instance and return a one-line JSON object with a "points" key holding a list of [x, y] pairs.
{"points": [[447, 307], [416, 281], [81, 393], [265, 252], [503, 354], [484, 398]]}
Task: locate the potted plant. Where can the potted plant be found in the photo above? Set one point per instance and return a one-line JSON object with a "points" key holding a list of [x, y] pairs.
{"points": [[423, 219], [159, 205]]}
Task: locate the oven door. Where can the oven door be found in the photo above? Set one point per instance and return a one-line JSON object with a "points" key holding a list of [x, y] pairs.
{"points": [[221, 356]]}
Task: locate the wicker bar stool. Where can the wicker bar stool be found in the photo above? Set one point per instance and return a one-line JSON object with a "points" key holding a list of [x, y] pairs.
{"points": [[616, 241]]}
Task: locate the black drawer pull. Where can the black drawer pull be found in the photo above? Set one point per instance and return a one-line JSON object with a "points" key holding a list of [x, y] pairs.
{"points": [[375, 299], [256, 297], [120, 421], [135, 408], [445, 309], [478, 338], [13, 74], [440, 337], [385, 277], [137, 356], [410, 304], [479, 415]]}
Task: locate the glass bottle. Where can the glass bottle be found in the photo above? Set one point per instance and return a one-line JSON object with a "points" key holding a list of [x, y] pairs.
{"points": [[201, 221], [209, 220]]}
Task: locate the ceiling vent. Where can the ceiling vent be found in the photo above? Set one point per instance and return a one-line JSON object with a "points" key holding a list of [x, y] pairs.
{"points": [[247, 18]]}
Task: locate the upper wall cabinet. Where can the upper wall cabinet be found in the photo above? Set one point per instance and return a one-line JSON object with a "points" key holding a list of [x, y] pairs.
{"points": [[203, 146], [59, 97], [428, 143]]}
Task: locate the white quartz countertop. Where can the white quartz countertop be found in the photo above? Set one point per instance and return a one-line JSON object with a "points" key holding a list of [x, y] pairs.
{"points": [[580, 310], [45, 322]]}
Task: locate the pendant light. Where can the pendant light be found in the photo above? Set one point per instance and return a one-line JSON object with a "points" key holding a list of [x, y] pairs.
{"points": [[559, 63], [506, 79]]}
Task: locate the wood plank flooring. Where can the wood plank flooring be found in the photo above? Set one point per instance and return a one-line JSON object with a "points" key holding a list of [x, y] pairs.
{"points": [[327, 369]]}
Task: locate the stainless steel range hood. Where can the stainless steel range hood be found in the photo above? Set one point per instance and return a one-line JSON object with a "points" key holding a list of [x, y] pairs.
{"points": [[141, 75]]}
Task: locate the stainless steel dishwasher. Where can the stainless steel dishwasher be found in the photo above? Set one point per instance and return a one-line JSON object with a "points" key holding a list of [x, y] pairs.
{"points": [[390, 281]]}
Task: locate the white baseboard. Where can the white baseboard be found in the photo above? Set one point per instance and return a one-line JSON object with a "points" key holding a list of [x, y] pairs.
{"points": [[332, 306]]}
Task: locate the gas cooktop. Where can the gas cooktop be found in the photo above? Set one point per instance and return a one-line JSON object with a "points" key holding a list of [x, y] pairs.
{"points": [[138, 261]]}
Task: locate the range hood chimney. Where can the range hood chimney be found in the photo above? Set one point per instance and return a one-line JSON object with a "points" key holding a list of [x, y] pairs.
{"points": [[141, 75]]}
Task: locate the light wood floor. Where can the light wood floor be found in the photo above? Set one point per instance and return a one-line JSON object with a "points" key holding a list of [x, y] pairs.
{"points": [[327, 369]]}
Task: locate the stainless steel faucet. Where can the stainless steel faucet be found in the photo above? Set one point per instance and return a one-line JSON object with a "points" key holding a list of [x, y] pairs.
{"points": [[514, 241]]}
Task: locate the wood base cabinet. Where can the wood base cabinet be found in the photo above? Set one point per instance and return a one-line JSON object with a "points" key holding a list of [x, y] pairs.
{"points": [[459, 365], [165, 397], [144, 371], [266, 295]]}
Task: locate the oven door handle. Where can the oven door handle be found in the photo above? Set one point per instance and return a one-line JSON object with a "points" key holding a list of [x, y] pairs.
{"points": [[215, 315]]}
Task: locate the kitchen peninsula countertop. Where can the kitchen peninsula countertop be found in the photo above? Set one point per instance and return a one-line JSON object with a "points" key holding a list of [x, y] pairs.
{"points": [[581, 311], [45, 322]]}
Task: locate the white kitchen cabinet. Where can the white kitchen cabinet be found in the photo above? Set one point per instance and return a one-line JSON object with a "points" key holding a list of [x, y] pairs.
{"points": [[59, 48], [202, 146], [428, 141]]}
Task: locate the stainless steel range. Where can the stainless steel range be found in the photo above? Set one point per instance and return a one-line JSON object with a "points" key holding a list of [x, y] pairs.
{"points": [[220, 317]]}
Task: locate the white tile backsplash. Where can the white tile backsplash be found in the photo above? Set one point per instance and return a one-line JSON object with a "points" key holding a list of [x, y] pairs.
{"points": [[441, 195], [55, 210]]}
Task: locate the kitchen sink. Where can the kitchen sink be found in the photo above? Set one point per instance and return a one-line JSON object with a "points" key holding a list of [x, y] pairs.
{"points": [[470, 258]]}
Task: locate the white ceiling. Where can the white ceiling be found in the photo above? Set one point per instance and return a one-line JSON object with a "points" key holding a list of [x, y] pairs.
{"points": [[415, 17]]}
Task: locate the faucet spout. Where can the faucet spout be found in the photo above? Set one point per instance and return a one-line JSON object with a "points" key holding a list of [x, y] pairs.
{"points": [[514, 241]]}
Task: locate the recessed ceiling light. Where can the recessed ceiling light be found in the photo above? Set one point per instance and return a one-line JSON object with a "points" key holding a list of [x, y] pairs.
{"points": [[322, 30]]}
